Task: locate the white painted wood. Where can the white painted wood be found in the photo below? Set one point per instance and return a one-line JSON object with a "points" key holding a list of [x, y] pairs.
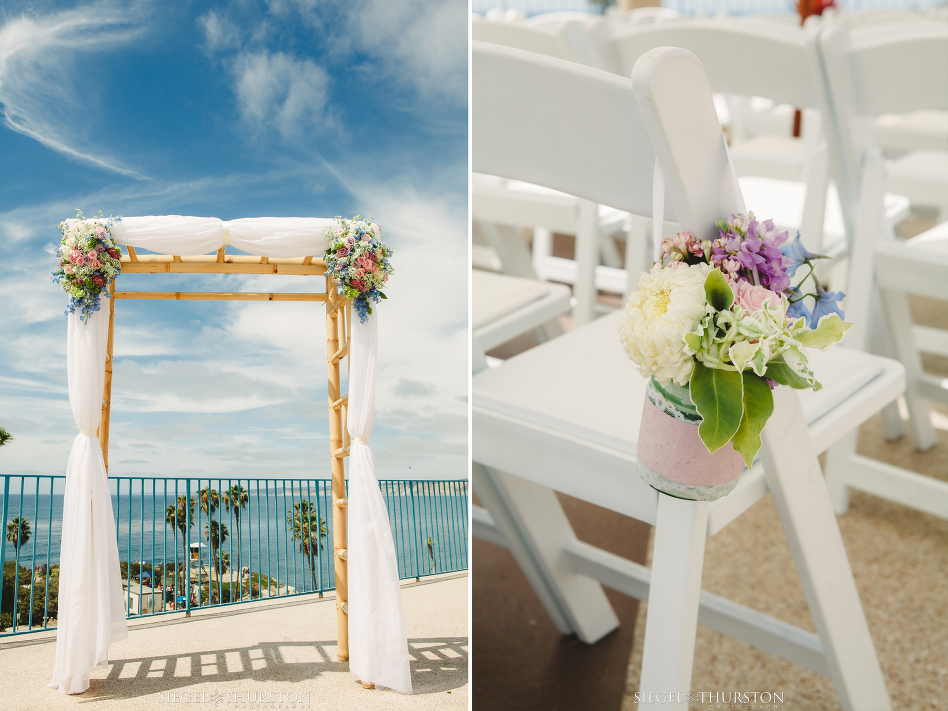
{"points": [[672, 615], [931, 340], [917, 491], [898, 318], [537, 314], [801, 499], [537, 530], [587, 257]]}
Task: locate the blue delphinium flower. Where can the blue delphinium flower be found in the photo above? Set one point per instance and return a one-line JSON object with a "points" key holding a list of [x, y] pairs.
{"points": [[827, 302], [797, 255]]}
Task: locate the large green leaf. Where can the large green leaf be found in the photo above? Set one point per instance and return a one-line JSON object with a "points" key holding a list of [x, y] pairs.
{"points": [[718, 291], [718, 395], [829, 330], [758, 407], [779, 370]]}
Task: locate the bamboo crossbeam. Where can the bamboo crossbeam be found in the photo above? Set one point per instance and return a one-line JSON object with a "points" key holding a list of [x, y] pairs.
{"points": [[340, 402], [343, 553], [341, 452], [220, 264], [218, 296], [334, 308], [132, 256], [341, 353]]}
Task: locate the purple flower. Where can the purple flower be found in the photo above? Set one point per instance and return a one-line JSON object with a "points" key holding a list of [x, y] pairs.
{"points": [[827, 302]]}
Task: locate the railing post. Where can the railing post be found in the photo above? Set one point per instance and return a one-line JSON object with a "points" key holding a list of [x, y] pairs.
{"points": [[414, 521], [187, 538], [3, 542]]}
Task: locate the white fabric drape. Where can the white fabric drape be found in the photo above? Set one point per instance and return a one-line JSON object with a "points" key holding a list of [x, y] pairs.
{"points": [[378, 644], [275, 237], [91, 607]]}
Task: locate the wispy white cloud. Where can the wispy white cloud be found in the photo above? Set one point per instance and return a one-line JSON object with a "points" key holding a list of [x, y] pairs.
{"points": [[37, 92], [276, 90]]}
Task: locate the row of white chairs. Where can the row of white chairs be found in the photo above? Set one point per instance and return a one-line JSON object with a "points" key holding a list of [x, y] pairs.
{"points": [[784, 178], [564, 415]]}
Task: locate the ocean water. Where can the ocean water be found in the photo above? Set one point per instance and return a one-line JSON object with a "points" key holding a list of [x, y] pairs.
{"points": [[428, 519]]}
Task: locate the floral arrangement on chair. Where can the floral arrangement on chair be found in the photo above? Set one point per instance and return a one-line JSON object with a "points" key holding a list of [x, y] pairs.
{"points": [[359, 263], [716, 325], [88, 260]]}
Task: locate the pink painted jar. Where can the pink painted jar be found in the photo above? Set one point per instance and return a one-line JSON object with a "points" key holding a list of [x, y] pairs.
{"points": [[671, 456]]}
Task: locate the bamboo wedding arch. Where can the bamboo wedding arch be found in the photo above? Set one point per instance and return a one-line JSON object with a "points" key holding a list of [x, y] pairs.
{"points": [[338, 333]]}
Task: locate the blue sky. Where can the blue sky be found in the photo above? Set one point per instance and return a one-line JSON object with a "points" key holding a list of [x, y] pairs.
{"points": [[236, 109]]}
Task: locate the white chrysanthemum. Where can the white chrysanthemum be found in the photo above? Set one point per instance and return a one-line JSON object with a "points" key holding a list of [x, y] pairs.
{"points": [[669, 303]]}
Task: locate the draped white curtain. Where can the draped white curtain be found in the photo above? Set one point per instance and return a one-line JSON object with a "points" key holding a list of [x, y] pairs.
{"points": [[378, 644], [275, 237], [91, 607]]}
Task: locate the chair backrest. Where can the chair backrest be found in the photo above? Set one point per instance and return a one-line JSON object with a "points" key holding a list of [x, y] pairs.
{"points": [[563, 39], [872, 70], [740, 57], [582, 131]]}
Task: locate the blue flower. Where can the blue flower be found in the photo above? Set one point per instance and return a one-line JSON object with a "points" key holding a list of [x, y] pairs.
{"points": [[798, 309], [797, 255], [827, 302]]}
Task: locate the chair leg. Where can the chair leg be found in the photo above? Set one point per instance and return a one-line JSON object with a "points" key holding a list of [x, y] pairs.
{"points": [[537, 532], [672, 616], [838, 468], [800, 495], [899, 319]]}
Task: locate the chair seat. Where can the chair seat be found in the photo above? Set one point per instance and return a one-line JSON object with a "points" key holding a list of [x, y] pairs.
{"points": [[934, 239], [783, 201], [917, 130], [582, 389], [514, 202], [505, 306], [922, 176], [778, 157]]}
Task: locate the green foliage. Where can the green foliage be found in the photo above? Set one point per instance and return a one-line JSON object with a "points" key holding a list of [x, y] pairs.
{"points": [[310, 530], [22, 595], [4, 436], [718, 396], [780, 371], [829, 330], [718, 291], [758, 407]]}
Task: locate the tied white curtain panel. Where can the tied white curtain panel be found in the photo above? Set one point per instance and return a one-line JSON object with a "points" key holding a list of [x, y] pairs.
{"points": [[378, 643], [275, 237], [91, 601]]}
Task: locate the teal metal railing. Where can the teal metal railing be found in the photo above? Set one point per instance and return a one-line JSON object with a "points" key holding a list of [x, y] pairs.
{"points": [[188, 543]]}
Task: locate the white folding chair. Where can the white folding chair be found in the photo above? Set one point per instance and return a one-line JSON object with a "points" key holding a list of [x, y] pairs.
{"points": [[784, 71], [565, 415], [871, 72]]}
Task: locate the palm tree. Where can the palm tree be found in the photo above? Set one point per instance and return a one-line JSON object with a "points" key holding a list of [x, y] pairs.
{"points": [[181, 517], [215, 533], [210, 501], [4, 436], [18, 532], [235, 499], [309, 529], [431, 544]]}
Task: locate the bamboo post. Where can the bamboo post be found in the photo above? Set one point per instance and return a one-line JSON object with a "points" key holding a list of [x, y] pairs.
{"points": [[338, 475], [107, 388]]}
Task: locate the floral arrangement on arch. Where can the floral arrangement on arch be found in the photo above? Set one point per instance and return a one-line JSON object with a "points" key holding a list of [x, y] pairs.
{"points": [[358, 263], [89, 259], [720, 323]]}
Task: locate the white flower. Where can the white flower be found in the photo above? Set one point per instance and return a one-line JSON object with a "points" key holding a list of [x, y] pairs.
{"points": [[669, 303]]}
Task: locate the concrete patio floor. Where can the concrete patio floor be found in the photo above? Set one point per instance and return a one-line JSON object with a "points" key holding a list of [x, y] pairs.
{"points": [[285, 649]]}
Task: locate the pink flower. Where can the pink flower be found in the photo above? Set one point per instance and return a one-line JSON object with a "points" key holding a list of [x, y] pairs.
{"points": [[92, 254], [99, 231], [350, 240], [95, 264], [342, 252], [69, 269], [752, 297], [357, 284], [79, 260], [365, 238], [360, 273], [100, 248], [98, 280]]}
